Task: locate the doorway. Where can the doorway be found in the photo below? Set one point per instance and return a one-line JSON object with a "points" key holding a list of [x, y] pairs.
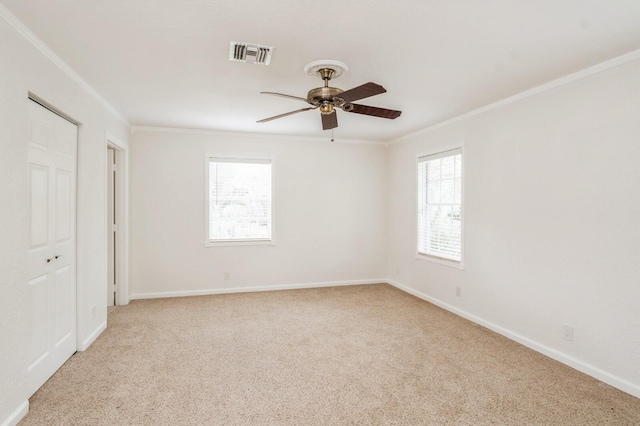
{"points": [[112, 226], [116, 221]]}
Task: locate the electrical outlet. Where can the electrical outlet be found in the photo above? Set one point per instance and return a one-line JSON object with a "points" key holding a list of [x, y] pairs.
{"points": [[567, 332], [227, 275], [458, 291]]}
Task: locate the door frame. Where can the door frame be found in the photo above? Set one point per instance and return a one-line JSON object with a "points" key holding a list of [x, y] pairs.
{"points": [[122, 216]]}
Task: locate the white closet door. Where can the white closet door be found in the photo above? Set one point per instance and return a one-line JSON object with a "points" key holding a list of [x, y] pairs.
{"points": [[52, 249]]}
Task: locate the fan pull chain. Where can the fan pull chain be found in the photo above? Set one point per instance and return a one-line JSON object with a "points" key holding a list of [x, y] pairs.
{"points": [[331, 135]]}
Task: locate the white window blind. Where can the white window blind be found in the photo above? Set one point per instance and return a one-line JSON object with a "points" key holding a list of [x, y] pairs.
{"points": [[239, 200], [440, 205]]}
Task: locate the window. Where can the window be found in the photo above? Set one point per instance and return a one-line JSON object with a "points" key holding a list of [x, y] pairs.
{"points": [[440, 205], [239, 200]]}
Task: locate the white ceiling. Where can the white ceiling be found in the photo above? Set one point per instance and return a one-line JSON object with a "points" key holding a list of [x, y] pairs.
{"points": [[165, 62]]}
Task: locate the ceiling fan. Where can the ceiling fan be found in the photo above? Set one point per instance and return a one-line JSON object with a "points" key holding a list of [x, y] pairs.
{"points": [[328, 99]]}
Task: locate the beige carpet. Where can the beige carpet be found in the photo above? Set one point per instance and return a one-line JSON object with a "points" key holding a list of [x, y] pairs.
{"points": [[349, 355]]}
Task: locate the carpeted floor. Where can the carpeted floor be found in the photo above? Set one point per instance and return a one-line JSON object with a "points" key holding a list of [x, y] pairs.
{"points": [[333, 356]]}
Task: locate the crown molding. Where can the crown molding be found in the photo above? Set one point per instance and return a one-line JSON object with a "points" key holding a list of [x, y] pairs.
{"points": [[579, 75], [49, 54]]}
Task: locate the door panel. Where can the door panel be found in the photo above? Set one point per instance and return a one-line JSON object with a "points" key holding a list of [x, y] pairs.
{"points": [[39, 205], [63, 206], [63, 310], [38, 295], [52, 280], [39, 132], [65, 141]]}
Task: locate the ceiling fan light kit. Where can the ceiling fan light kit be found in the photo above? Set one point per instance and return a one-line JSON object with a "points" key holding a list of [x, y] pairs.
{"points": [[328, 99]]}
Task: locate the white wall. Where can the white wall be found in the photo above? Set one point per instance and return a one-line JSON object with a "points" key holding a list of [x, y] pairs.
{"points": [[551, 210], [552, 221], [329, 222], [24, 69]]}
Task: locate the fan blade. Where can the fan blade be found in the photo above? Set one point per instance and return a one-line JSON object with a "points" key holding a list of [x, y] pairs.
{"points": [[361, 92], [375, 111], [329, 121], [284, 96], [264, 120]]}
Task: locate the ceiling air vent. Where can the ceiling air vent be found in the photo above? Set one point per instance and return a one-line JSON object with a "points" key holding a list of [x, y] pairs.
{"points": [[247, 52]]}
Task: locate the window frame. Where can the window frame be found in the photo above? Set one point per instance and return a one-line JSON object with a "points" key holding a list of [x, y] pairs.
{"points": [[239, 242], [433, 258]]}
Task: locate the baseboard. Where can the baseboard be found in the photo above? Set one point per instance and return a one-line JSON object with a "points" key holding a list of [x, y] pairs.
{"points": [[17, 415], [92, 337], [608, 378], [207, 292]]}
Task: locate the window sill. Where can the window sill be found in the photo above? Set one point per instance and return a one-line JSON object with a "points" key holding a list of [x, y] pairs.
{"points": [[240, 243], [440, 261]]}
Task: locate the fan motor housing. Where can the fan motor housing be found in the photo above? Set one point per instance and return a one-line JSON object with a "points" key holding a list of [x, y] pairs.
{"points": [[322, 94]]}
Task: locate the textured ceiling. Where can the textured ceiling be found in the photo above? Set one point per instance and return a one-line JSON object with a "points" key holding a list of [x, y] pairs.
{"points": [[165, 62]]}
